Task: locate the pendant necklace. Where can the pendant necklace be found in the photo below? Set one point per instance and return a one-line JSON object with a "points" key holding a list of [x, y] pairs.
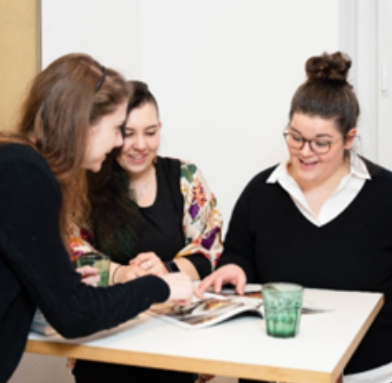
{"points": [[143, 189]]}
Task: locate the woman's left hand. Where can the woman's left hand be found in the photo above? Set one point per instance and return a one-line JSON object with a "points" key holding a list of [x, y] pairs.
{"points": [[90, 275], [148, 263]]}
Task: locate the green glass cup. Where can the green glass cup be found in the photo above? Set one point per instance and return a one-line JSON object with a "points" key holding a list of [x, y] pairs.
{"points": [[99, 261], [282, 308]]}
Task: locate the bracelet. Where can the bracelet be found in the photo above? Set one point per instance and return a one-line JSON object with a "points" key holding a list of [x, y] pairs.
{"points": [[114, 274]]}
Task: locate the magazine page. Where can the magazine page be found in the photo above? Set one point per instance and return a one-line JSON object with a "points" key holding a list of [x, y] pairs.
{"points": [[217, 307], [255, 291], [206, 312]]}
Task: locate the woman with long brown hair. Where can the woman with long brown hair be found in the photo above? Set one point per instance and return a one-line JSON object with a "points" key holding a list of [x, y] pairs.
{"points": [[71, 120]]}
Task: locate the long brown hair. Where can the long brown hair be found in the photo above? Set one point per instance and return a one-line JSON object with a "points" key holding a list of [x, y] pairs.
{"points": [[65, 99]]}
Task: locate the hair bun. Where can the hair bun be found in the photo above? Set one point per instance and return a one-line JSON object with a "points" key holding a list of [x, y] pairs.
{"points": [[332, 67]]}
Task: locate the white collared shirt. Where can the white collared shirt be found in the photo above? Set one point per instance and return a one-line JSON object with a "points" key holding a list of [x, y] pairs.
{"points": [[347, 190]]}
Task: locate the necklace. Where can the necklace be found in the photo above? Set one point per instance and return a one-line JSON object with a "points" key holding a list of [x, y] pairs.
{"points": [[142, 191]]}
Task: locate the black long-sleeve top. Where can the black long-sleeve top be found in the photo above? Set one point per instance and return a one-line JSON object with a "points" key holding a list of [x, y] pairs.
{"points": [[35, 269], [273, 241]]}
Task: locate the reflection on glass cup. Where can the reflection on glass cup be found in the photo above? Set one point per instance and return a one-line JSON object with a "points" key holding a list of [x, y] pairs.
{"points": [[282, 307], [99, 261]]}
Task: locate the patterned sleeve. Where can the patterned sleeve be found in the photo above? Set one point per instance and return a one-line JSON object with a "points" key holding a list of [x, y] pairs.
{"points": [[202, 220]]}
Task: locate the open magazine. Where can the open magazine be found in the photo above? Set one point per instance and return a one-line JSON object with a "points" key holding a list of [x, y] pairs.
{"points": [[216, 308], [201, 313], [206, 312]]}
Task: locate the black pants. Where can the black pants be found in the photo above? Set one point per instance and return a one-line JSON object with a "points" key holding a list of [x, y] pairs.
{"points": [[96, 372]]}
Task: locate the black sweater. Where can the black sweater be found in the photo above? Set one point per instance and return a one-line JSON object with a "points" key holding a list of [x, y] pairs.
{"points": [[35, 269], [272, 241]]}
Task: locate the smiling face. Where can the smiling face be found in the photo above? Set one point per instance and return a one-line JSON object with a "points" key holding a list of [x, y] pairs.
{"points": [[141, 140], [103, 137], [311, 169]]}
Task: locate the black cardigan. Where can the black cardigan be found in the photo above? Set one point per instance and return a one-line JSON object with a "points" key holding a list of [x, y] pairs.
{"points": [[35, 269], [272, 241]]}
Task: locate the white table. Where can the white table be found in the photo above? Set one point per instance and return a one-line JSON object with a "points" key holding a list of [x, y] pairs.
{"points": [[238, 347]]}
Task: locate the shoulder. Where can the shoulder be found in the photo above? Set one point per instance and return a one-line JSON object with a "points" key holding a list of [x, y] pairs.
{"points": [[191, 173], [178, 167], [21, 161], [22, 154], [188, 168], [260, 179], [10, 150], [377, 172], [168, 164]]}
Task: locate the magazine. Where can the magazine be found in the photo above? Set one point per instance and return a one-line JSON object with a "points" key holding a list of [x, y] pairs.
{"points": [[218, 307], [40, 325], [206, 312]]}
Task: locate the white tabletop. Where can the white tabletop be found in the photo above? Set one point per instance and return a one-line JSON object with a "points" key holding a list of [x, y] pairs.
{"points": [[239, 347]]}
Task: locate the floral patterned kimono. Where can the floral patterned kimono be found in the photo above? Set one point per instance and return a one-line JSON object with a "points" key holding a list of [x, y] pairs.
{"points": [[202, 220]]}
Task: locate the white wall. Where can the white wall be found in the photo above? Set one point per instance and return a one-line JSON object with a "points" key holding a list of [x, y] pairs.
{"points": [[358, 32], [384, 83], [108, 30], [366, 34], [223, 72]]}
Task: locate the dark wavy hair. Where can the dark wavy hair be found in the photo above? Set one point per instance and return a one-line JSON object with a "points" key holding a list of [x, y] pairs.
{"points": [[115, 218]]}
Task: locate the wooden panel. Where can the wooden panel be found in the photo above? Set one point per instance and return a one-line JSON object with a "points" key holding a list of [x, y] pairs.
{"points": [[20, 55]]}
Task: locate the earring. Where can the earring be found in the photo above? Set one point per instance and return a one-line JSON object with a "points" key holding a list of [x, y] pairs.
{"points": [[155, 160]]}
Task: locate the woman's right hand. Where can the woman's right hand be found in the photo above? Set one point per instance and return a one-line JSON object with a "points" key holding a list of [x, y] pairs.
{"points": [[226, 274], [181, 287]]}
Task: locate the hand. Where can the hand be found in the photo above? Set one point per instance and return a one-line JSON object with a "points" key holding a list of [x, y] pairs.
{"points": [[144, 264], [181, 288], [126, 273], [148, 263], [226, 274], [90, 275]]}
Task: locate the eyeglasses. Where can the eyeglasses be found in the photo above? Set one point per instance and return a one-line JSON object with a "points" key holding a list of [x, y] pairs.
{"points": [[317, 146]]}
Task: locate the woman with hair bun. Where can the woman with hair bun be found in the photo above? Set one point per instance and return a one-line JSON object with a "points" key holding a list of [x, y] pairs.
{"points": [[323, 218]]}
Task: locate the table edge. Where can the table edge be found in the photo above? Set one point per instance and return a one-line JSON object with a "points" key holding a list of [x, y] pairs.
{"points": [[358, 338], [195, 365]]}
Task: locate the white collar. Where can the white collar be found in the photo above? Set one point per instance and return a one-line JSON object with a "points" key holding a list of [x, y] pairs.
{"points": [[357, 169]]}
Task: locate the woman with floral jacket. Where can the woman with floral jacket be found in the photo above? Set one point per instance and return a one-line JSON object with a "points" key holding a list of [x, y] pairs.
{"points": [[151, 215]]}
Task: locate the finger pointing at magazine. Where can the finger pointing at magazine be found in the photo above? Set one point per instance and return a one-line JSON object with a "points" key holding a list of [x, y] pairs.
{"points": [[227, 274]]}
